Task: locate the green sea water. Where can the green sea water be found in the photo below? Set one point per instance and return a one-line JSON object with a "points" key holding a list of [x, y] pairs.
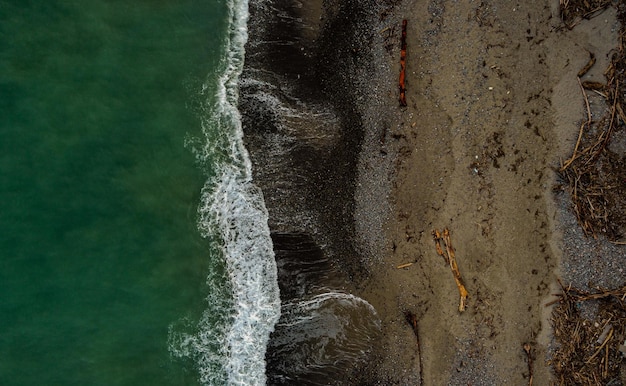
{"points": [[100, 253]]}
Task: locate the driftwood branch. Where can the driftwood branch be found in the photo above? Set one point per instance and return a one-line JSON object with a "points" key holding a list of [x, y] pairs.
{"points": [[401, 83], [450, 259], [438, 238]]}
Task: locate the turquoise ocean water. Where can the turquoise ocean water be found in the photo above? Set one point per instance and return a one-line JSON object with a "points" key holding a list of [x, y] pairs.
{"points": [[134, 248]]}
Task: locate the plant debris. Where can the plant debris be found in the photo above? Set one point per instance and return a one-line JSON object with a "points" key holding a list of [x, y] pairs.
{"points": [[596, 171], [590, 327], [572, 11], [588, 351]]}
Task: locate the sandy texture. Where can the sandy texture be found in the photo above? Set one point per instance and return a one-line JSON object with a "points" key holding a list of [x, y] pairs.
{"points": [[493, 106], [355, 184]]}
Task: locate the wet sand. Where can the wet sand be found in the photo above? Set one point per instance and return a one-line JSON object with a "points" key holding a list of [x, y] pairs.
{"points": [[493, 108]]}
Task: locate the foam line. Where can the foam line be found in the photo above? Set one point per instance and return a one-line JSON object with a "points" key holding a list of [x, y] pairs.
{"points": [[233, 207]]}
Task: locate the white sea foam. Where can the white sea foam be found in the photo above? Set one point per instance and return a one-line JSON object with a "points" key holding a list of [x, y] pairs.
{"points": [[236, 208], [233, 206]]}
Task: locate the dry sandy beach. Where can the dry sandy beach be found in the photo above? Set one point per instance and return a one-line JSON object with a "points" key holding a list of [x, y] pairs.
{"points": [[493, 109]]}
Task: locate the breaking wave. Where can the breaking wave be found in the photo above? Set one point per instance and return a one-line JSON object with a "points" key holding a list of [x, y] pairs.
{"points": [[229, 343]]}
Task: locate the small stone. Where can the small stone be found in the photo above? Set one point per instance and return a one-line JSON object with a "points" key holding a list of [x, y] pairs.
{"points": [[622, 349]]}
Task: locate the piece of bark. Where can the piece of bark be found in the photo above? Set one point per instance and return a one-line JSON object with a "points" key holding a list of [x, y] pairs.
{"points": [[401, 83]]}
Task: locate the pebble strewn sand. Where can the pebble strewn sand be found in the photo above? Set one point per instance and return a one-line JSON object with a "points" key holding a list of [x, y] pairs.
{"points": [[493, 106]]}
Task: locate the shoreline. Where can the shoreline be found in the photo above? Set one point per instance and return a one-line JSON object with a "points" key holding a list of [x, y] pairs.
{"points": [[303, 131], [355, 184]]}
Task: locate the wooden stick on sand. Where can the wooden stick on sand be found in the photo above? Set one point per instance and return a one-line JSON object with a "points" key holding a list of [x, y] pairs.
{"points": [[451, 261], [401, 83]]}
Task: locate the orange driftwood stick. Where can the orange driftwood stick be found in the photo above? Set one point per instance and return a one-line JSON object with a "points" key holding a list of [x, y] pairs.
{"points": [[455, 270], [451, 261], [403, 65], [437, 238]]}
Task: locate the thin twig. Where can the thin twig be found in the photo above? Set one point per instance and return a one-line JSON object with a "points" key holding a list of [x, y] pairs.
{"points": [[582, 127]]}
